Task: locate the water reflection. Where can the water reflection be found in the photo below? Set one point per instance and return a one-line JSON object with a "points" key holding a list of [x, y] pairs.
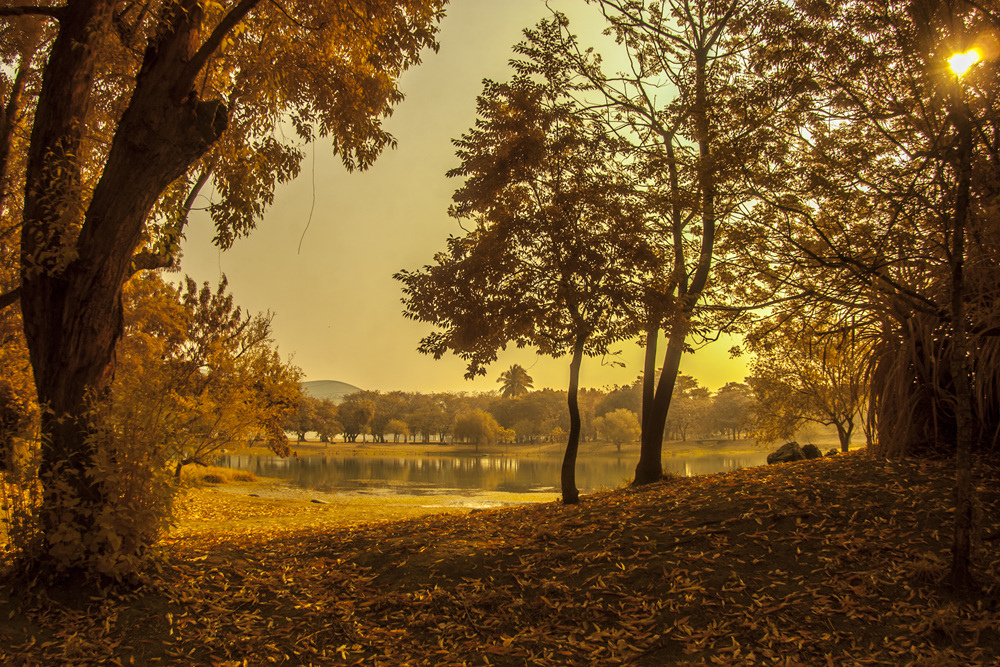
{"points": [[425, 475]]}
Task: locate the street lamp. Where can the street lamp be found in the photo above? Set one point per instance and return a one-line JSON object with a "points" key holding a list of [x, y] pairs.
{"points": [[961, 62]]}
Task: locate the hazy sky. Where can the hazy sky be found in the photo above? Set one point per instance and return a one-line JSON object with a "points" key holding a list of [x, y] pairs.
{"points": [[337, 308]]}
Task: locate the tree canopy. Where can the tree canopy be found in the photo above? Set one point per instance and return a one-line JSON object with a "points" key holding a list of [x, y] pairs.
{"points": [[132, 109], [558, 241]]}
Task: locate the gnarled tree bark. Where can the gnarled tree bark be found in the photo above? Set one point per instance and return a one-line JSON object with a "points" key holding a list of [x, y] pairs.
{"points": [[71, 287]]}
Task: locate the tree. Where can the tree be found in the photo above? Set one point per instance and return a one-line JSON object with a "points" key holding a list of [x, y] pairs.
{"points": [[732, 409], [691, 107], [196, 375], [516, 382], [303, 419], [556, 241], [689, 407], [627, 397], [398, 428], [868, 204], [355, 415], [164, 81], [387, 407], [477, 426], [534, 415], [426, 416], [327, 425], [619, 426], [799, 375]]}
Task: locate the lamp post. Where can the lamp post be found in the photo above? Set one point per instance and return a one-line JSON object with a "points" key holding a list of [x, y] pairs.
{"points": [[965, 431]]}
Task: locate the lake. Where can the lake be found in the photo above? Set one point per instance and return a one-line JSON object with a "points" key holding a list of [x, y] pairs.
{"points": [[417, 475]]}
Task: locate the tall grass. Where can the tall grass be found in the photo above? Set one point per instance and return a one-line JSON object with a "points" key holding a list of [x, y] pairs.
{"points": [[202, 475]]}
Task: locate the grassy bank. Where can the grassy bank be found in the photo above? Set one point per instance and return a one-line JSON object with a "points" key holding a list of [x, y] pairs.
{"points": [[263, 505], [694, 447], [839, 561]]}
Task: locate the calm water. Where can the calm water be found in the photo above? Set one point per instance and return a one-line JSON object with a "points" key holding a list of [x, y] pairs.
{"points": [[428, 475]]}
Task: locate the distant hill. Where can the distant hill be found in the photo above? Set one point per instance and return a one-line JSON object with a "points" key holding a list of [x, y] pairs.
{"points": [[331, 389]]}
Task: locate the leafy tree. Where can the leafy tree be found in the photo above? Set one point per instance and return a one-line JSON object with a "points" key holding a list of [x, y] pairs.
{"points": [[387, 407], [398, 428], [451, 405], [426, 416], [689, 407], [550, 261], [533, 416], [163, 82], [868, 204], [19, 48], [355, 415], [619, 426], [733, 409], [313, 414], [303, 419], [627, 397], [587, 400], [691, 107], [196, 375], [516, 382], [799, 376], [327, 425], [477, 427]]}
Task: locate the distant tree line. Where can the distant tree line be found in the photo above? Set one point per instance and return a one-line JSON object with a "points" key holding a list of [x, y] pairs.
{"points": [[533, 417]]}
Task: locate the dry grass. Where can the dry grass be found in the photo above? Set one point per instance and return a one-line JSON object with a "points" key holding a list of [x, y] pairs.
{"points": [[202, 475]]}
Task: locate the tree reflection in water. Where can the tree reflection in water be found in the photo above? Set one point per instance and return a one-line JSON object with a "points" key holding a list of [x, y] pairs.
{"points": [[424, 475]]}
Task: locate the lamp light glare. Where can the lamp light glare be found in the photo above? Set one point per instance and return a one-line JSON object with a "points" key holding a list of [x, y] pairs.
{"points": [[961, 62]]}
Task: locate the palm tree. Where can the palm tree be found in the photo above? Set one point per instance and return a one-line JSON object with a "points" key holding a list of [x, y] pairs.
{"points": [[516, 382]]}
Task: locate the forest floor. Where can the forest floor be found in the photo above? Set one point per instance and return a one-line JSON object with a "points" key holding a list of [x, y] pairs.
{"points": [[837, 561]]}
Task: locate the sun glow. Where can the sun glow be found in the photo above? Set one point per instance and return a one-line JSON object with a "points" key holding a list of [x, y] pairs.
{"points": [[961, 62]]}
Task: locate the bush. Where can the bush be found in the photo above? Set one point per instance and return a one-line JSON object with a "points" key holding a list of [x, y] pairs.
{"points": [[215, 475], [134, 509]]}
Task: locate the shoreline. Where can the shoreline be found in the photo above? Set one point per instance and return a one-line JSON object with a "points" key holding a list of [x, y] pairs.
{"points": [[247, 506], [542, 450]]}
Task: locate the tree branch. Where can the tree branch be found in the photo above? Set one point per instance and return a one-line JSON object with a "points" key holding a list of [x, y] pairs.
{"points": [[197, 62], [31, 10], [147, 259], [11, 297]]}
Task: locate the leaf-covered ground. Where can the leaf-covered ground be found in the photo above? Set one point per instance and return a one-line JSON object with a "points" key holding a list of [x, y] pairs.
{"points": [[839, 561]]}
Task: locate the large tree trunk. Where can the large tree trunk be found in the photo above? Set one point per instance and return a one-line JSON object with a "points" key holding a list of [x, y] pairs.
{"points": [[844, 431], [650, 466], [71, 294], [64, 366], [570, 494]]}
